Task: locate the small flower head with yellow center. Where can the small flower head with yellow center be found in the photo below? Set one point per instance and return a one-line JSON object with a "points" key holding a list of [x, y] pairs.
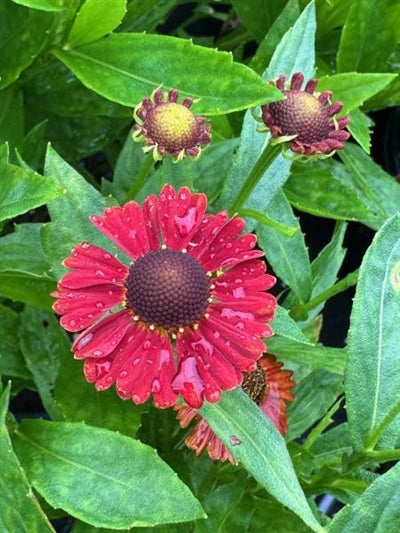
{"points": [[168, 127], [306, 119]]}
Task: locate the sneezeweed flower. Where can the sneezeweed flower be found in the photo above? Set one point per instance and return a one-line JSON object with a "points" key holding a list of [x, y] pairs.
{"points": [[169, 127], [306, 119], [269, 386], [186, 317]]}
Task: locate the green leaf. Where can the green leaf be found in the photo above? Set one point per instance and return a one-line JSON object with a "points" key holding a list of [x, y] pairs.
{"points": [[313, 395], [21, 189], [256, 443], [369, 35], [258, 15], [146, 16], [286, 19], [11, 360], [125, 67], [19, 509], [95, 19], [70, 214], [315, 356], [23, 34], [287, 255], [354, 88], [360, 129], [326, 265], [316, 190], [373, 369], [44, 5], [11, 116], [296, 51], [24, 271], [330, 447], [80, 402], [375, 511], [382, 188], [284, 326], [45, 347], [113, 481]]}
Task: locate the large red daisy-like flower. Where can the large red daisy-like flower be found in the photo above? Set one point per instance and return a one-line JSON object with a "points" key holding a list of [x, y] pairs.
{"points": [[269, 386], [305, 118], [192, 305]]}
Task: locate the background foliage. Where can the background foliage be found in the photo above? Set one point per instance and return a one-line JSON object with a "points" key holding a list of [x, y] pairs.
{"points": [[82, 461]]}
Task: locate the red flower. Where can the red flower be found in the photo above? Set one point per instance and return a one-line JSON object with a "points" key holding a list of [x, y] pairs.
{"points": [[168, 127], [306, 118], [269, 386], [192, 305]]}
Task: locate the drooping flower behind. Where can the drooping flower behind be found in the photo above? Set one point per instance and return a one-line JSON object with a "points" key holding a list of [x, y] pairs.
{"points": [[186, 317], [168, 127], [306, 118], [269, 386]]}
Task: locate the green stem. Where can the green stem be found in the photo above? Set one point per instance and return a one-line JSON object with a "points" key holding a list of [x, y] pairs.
{"points": [[263, 162], [340, 286], [141, 178], [266, 220]]}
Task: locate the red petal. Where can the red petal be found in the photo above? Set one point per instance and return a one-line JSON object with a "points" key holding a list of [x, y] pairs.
{"points": [[180, 215], [259, 307], [81, 307], [188, 383], [150, 215], [125, 226], [227, 250], [104, 337], [208, 228], [94, 266]]}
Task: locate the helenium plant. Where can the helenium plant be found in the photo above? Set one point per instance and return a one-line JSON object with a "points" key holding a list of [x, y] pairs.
{"points": [[188, 340]]}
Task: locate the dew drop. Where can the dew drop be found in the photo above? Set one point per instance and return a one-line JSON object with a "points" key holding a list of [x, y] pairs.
{"points": [[123, 374], [234, 440], [97, 353], [107, 256], [85, 245], [136, 361], [109, 379], [99, 305], [85, 340], [217, 334], [146, 345], [156, 386], [132, 233], [239, 292], [164, 357], [214, 396], [136, 398], [99, 274], [207, 367]]}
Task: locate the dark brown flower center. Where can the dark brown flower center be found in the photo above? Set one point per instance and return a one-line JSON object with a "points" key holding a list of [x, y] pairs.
{"points": [[254, 384], [172, 126], [301, 114], [167, 288]]}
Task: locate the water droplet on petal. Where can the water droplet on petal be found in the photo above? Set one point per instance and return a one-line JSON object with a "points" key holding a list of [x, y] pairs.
{"points": [[136, 398], [85, 340], [156, 386], [123, 374], [99, 305], [109, 379], [97, 353], [99, 274], [85, 245], [107, 256], [146, 345], [214, 396], [136, 361], [239, 292]]}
